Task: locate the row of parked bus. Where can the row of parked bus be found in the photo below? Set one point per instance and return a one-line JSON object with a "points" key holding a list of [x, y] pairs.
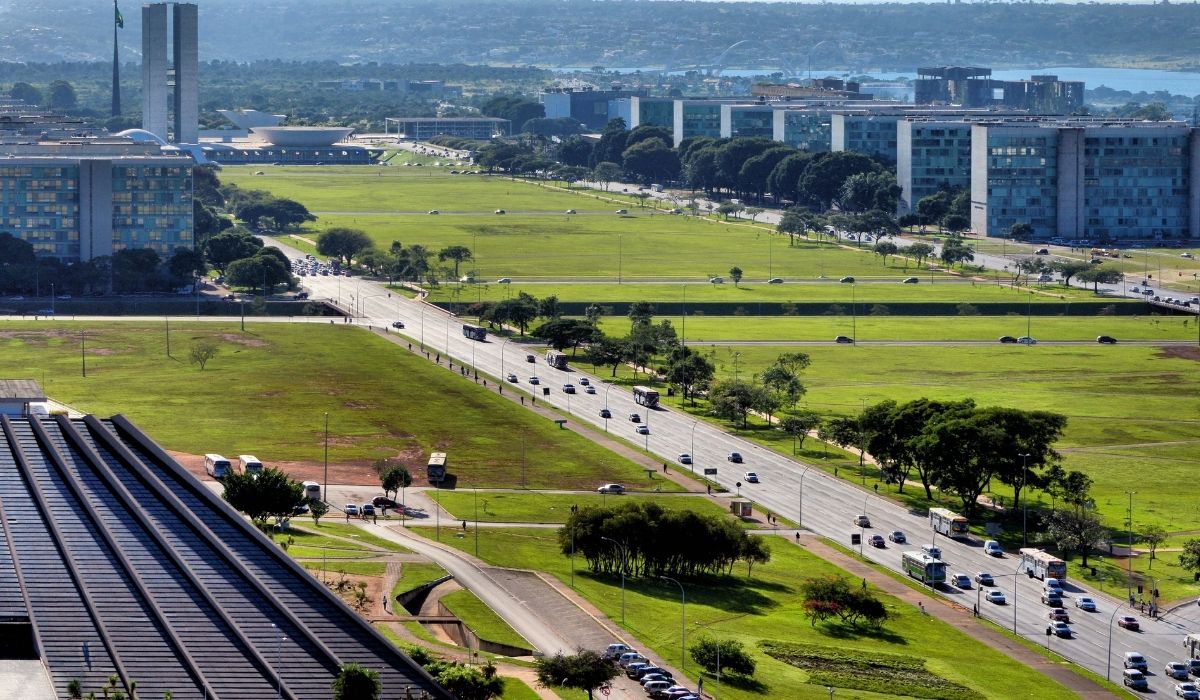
{"points": [[217, 466]]}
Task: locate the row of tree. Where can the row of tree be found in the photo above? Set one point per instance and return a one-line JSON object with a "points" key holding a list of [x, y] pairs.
{"points": [[643, 539], [129, 271]]}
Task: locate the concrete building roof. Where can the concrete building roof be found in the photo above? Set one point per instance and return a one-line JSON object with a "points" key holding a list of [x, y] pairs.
{"points": [[116, 561], [21, 390]]}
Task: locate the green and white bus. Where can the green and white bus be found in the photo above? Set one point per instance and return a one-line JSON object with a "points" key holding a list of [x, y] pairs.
{"points": [[924, 568]]}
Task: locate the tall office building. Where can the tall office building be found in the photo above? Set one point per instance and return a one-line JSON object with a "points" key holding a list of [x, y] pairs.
{"points": [[180, 78]]}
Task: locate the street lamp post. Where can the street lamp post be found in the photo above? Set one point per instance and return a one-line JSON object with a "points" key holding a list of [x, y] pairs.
{"points": [[682, 622], [606, 411], [325, 486], [854, 313], [574, 510], [475, 494], [800, 518], [1024, 500], [692, 466], [622, 569], [1108, 661], [503, 377]]}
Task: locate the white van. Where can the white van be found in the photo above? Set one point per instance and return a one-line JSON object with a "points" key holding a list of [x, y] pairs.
{"points": [[312, 490], [216, 466], [250, 464]]}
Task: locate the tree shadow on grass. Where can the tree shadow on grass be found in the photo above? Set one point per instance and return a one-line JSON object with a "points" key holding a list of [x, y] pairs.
{"points": [[856, 632], [747, 683], [731, 594]]}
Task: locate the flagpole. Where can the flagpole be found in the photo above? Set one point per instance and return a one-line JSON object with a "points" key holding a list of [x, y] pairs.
{"points": [[116, 77]]}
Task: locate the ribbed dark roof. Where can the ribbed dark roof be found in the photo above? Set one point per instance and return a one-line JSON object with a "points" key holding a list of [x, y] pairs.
{"points": [[126, 564]]}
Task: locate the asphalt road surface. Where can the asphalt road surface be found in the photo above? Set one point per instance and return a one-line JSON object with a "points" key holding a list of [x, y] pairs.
{"points": [[788, 487]]}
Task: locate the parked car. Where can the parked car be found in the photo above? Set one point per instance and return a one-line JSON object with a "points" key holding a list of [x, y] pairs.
{"points": [[612, 651], [367, 509], [1085, 603], [1177, 670], [992, 548], [735, 457], [646, 671], [660, 676], [751, 477], [611, 488], [844, 340], [878, 541], [1129, 622], [384, 502], [995, 596], [656, 685], [897, 537], [983, 578]]}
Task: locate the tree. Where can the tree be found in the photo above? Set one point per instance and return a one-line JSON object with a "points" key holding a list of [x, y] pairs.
{"points": [[798, 426], [961, 451], [575, 152], [607, 352], [227, 246], [735, 274], [920, 252], [733, 400], [394, 479], [458, 253], [719, 656], [262, 270], [1073, 487], [1189, 555], [26, 93], [955, 251], [1069, 268], [784, 180], [1076, 530], [62, 96], [1020, 231], [832, 596], [1154, 535], [135, 270], [185, 262], [796, 221], [1031, 433], [201, 352], [823, 179], [933, 207], [563, 333], [870, 190], [317, 509], [268, 493], [520, 311], [909, 423], [606, 173], [651, 160], [355, 682], [1100, 274], [885, 248], [469, 683], [548, 307], [614, 139], [343, 243], [688, 370], [585, 670], [727, 208], [285, 213], [640, 312]]}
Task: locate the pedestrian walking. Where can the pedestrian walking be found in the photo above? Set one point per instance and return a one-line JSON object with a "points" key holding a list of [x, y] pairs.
{"points": [[864, 584]]}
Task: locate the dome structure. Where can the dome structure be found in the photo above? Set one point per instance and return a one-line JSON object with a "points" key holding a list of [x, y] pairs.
{"points": [[142, 136], [301, 136]]}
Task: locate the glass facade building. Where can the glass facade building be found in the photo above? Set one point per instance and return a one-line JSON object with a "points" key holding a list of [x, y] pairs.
{"points": [[748, 121], [807, 130], [697, 118], [1135, 183], [75, 209], [873, 134], [931, 156]]}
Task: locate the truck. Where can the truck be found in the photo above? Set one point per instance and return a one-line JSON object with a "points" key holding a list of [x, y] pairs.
{"points": [[435, 470]]}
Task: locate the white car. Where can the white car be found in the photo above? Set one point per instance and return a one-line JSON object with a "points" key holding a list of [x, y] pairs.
{"points": [[511, 377], [1187, 691], [1177, 670], [995, 596], [589, 389], [751, 478], [1085, 603], [1026, 340], [611, 488], [716, 280], [504, 280], [961, 581], [685, 458], [350, 509]]}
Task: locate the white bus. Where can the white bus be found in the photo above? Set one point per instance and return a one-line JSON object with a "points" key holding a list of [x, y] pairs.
{"points": [[1192, 644], [645, 396], [924, 568], [216, 466], [312, 491], [556, 359], [948, 523], [1036, 562], [435, 470]]}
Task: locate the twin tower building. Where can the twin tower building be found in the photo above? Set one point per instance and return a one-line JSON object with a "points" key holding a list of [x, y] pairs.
{"points": [[172, 78]]}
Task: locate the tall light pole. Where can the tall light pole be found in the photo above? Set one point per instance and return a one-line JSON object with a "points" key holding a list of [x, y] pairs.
{"points": [[325, 488], [1024, 499], [574, 510], [854, 313], [503, 377], [682, 622], [1129, 555], [736, 356], [800, 519], [1108, 662], [475, 494], [692, 466], [622, 568], [606, 411]]}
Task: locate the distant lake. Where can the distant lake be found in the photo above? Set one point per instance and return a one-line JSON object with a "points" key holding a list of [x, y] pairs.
{"points": [[1131, 79]]}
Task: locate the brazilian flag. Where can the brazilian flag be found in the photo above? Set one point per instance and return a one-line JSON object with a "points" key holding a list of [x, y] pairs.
{"points": [[119, 19]]}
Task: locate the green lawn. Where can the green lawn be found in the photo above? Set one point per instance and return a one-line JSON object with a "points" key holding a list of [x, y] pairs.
{"points": [[268, 388], [483, 620], [353, 534], [413, 575], [515, 689], [353, 568], [553, 508], [768, 606], [697, 290], [1131, 409], [868, 327]]}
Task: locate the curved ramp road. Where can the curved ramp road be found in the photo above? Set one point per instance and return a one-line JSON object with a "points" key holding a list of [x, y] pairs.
{"points": [[790, 488]]}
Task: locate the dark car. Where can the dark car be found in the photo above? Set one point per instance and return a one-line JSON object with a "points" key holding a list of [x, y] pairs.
{"points": [[384, 502], [844, 339], [397, 324], [1128, 622], [877, 541], [1008, 339], [1106, 340], [531, 358], [605, 413]]}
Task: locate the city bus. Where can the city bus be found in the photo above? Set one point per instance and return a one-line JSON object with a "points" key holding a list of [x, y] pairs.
{"points": [[1036, 562], [645, 396], [948, 523], [435, 471], [924, 568], [474, 332], [556, 359], [1192, 644]]}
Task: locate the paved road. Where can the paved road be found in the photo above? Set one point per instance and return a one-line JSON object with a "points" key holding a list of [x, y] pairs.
{"points": [[790, 488]]}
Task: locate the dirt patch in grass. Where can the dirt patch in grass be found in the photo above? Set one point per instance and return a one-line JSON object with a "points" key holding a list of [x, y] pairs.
{"points": [[1181, 352], [243, 340], [872, 671]]}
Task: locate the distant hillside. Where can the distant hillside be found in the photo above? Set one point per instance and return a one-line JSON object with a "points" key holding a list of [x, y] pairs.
{"points": [[628, 34]]}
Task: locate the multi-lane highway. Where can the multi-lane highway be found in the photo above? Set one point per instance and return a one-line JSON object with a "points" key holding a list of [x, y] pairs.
{"points": [[788, 487]]}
